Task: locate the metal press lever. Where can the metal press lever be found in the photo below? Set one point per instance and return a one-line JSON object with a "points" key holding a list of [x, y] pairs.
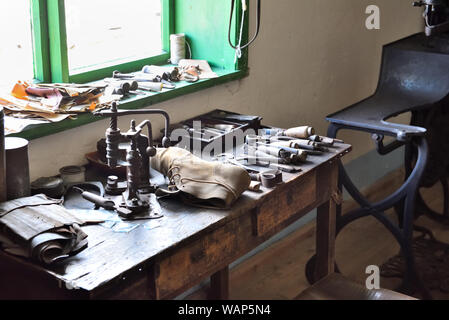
{"points": [[103, 202], [113, 132]]}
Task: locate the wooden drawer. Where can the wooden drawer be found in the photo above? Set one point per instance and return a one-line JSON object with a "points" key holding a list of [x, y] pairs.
{"points": [[288, 202], [203, 257]]}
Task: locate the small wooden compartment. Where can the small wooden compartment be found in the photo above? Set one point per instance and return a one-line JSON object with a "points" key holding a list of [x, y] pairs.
{"points": [[272, 213]]}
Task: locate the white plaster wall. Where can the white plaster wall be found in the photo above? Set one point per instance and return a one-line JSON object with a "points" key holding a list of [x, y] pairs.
{"points": [[312, 58]]}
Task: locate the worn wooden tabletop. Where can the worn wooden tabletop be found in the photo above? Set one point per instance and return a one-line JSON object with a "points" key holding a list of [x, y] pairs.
{"points": [[110, 254]]}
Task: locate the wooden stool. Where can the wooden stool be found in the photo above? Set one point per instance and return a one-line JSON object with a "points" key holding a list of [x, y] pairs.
{"points": [[337, 287]]}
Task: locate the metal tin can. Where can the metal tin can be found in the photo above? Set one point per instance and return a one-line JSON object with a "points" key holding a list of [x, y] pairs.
{"points": [[17, 168], [72, 174]]}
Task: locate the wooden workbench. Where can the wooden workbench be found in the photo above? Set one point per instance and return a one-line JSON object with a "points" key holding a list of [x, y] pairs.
{"points": [[187, 245]]}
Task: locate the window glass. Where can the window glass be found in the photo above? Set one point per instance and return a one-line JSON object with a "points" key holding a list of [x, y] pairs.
{"points": [[112, 31], [16, 53]]}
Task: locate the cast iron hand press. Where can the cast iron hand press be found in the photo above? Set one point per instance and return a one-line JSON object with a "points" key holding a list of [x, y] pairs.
{"points": [[137, 197]]}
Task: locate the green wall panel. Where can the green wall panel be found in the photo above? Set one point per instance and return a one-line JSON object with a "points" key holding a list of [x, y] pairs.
{"points": [[195, 18]]}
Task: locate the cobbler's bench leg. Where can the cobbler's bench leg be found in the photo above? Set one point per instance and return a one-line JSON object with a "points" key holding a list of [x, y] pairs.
{"points": [[326, 224], [325, 239], [406, 194], [219, 285]]}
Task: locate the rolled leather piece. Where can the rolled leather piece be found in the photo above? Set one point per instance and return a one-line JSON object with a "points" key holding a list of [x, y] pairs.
{"points": [[208, 184], [50, 247], [41, 229]]}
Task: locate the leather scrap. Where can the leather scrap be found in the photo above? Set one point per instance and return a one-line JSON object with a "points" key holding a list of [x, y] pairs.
{"points": [[41, 229]]}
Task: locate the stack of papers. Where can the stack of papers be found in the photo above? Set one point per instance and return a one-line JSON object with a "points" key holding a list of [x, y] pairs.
{"points": [[28, 104]]}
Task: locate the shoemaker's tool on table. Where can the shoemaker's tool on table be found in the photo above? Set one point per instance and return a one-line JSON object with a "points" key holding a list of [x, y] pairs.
{"points": [[300, 144], [137, 197], [326, 141], [295, 154], [103, 202], [273, 142], [268, 178], [288, 140], [302, 132], [145, 78], [267, 161], [273, 153], [302, 137], [279, 152]]}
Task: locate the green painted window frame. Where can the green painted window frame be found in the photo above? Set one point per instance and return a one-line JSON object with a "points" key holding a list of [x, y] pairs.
{"points": [[50, 45], [180, 20]]}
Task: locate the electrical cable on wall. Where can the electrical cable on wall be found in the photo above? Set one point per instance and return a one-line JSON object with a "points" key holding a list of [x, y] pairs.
{"points": [[239, 47]]}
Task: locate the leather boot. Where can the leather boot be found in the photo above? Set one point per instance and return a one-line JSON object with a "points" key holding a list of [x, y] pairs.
{"points": [[211, 184]]}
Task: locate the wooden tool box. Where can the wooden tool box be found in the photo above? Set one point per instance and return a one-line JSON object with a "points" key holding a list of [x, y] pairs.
{"points": [[226, 124]]}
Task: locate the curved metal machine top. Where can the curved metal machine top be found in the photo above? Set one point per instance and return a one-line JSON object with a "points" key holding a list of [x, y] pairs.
{"points": [[413, 75], [126, 112]]}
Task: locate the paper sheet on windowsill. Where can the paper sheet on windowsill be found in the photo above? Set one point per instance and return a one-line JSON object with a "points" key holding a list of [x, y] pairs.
{"points": [[205, 69], [16, 125]]}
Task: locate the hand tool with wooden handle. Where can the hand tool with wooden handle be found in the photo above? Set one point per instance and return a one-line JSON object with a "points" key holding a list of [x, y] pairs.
{"points": [[298, 155], [103, 202], [302, 132]]}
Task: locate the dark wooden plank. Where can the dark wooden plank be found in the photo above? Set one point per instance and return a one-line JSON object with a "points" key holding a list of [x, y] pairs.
{"points": [[19, 279], [325, 229]]}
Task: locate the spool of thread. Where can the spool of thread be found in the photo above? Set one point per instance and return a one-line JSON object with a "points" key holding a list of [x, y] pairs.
{"points": [[177, 47], [72, 174], [17, 168], [3, 195]]}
